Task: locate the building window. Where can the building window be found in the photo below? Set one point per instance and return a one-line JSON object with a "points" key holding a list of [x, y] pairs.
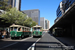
{"points": [[15, 4]]}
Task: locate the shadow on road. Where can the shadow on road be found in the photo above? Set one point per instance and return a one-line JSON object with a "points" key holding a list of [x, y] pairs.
{"points": [[50, 46], [66, 40], [15, 45]]}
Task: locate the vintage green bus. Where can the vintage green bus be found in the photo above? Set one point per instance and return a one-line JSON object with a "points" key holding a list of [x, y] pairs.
{"points": [[37, 31], [19, 31]]}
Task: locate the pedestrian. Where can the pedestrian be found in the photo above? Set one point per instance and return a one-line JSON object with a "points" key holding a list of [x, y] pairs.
{"points": [[4, 34], [7, 34], [0, 34]]}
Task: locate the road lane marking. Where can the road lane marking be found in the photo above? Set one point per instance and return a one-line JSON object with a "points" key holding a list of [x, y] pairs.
{"points": [[43, 35], [15, 43], [33, 45]]}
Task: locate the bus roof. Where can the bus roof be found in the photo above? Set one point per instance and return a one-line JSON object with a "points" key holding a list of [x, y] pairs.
{"points": [[36, 26], [18, 26]]}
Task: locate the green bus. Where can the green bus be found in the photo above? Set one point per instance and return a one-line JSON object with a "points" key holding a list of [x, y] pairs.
{"points": [[19, 31], [37, 31]]}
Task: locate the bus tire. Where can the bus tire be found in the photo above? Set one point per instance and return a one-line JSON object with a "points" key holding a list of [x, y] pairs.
{"points": [[22, 37], [33, 36], [29, 35], [12, 37], [40, 36]]}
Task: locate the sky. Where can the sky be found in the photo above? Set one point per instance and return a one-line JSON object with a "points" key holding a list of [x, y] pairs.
{"points": [[47, 8]]}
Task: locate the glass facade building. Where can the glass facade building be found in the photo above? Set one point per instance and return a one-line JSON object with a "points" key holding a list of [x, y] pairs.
{"points": [[67, 4], [9, 2], [14, 3], [58, 12]]}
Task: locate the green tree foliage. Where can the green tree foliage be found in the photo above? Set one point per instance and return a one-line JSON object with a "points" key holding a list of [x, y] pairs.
{"points": [[4, 5], [14, 16], [28, 22], [8, 8], [33, 23]]}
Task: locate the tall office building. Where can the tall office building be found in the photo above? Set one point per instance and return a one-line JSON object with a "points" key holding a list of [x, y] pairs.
{"points": [[44, 23], [47, 24], [64, 4], [17, 4], [34, 14], [14, 3]]}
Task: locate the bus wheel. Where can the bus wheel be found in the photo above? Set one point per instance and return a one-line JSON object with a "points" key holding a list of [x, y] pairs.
{"points": [[33, 36], [29, 35], [22, 36], [12, 37], [40, 36]]}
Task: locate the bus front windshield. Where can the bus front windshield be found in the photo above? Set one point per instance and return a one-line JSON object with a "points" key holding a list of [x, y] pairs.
{"points": [[11, 28], [15, 28], [37, 29]]}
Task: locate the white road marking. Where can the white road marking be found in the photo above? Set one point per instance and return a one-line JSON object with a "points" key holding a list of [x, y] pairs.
{"points": [[33, 45], [43, 35], [15, 43]]}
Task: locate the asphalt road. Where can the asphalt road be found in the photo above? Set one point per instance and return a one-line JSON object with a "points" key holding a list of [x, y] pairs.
{"points": [[23, 45], [18, 44], [46, 42]]}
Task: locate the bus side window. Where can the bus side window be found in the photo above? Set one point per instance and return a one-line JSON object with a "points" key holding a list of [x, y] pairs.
{"points": [[25, 29], [22, 29], [11, 28], [19, 29]]}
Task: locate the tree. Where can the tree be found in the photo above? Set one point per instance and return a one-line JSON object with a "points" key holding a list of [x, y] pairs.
{"points": [[33, 23], [4, 6], [14, 16], [8, 8], [28, 22]]}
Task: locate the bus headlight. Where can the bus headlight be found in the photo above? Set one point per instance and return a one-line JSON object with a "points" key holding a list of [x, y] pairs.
{"points": [[15, 34]]}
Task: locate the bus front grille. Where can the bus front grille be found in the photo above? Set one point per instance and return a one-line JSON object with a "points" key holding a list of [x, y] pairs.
{"points": [[13, 33], [36, 33]]}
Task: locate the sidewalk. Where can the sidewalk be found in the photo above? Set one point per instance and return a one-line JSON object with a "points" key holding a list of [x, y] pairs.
{"points": [[69, 41]]}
